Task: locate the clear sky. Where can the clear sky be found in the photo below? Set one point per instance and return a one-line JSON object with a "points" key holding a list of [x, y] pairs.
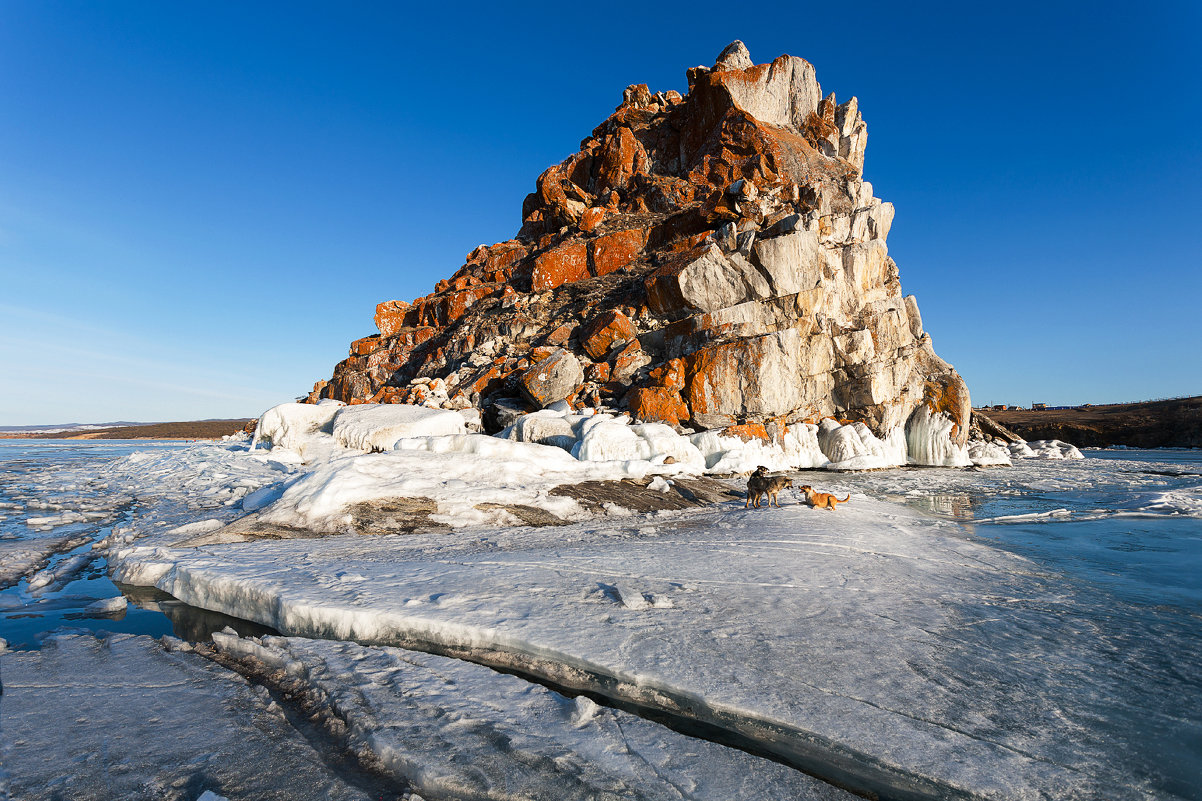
{"points": [[202, 202]]}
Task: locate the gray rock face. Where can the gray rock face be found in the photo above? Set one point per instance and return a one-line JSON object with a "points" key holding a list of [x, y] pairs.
{"points": [[783, 93], [552, 379], [734, 57]]}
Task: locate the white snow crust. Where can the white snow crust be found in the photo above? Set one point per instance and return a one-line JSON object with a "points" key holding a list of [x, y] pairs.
{"points": [[458, 472], [1054, 449], [988, 454], [378, 427], [294, 425]]}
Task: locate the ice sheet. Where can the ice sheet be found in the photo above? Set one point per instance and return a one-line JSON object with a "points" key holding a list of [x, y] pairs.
{"points": [[123, 718], [460, 730], [870, 645]]}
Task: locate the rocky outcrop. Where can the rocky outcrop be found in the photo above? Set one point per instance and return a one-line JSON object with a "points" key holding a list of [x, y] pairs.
{"points": [[711, 260]]}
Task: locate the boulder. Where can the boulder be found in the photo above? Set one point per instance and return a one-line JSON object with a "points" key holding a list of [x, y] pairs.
{"points": [[734, 57], [657, 404], [613, 252], [390, 316], [605, 331], [552, 378], [561, 265]]}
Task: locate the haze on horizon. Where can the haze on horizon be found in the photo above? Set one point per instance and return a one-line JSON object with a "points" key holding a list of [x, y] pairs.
{"points": [[200, 205]]}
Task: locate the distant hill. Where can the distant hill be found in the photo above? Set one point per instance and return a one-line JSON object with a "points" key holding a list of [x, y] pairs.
{"points": [[192, 429], [59, 427], [1173, 423]]}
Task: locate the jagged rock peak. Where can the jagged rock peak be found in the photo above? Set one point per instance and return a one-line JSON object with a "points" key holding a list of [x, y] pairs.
{"points": [[713, 261], [734, 57]]}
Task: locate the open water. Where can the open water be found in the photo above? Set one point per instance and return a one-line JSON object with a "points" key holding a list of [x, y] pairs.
{"points": [[68, 495]]}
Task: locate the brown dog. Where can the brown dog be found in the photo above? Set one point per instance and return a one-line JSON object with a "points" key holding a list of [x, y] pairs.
{"points": [[820, 500], [761, 484]]}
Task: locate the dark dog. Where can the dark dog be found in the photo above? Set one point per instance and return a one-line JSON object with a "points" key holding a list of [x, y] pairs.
{"points": [[761, 484]]}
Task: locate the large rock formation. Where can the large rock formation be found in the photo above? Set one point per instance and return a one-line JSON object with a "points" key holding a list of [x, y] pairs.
{"points": [[711, 260]]}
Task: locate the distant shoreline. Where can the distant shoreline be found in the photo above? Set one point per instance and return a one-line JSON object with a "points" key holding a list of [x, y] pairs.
{"points": [[1175, 423], [184, 430]]}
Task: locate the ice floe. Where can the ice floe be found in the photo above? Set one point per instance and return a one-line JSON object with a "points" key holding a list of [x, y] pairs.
{"points": [[121, 717], [454, 729], [865, 646]]}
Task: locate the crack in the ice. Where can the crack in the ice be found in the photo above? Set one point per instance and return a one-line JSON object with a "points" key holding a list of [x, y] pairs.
{"points": [[634, 752], [937, 724]]}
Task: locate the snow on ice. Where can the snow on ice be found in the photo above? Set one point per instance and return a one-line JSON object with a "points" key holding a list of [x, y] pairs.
{"points": [[122, 717], [455, 729], [851, 645]]}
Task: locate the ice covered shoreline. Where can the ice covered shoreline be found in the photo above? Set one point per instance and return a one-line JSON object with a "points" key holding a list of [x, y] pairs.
{"points": [[876, 647]]}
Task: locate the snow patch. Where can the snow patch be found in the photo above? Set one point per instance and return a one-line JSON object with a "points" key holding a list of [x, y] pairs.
{"points": [[378, 427]]}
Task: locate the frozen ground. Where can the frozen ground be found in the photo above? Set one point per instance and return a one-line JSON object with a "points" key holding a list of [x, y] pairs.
{"points": [[123, 718]]}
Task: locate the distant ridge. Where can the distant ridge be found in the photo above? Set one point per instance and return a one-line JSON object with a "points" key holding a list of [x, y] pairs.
{"points": [[191, 429], [1174, 423]]}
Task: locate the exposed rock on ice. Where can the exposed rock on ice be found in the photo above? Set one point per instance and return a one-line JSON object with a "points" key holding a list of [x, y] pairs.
{"points": [[714, 260]]}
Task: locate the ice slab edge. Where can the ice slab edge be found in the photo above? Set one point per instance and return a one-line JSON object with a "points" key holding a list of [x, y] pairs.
{"points": [[834, 762]]}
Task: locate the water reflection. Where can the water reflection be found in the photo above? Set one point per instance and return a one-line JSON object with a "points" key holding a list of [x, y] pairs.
{"points": [[957, 505], [189, 622]]}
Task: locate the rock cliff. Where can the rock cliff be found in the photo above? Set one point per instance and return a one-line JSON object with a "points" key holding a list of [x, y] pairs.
{"points": [[714, 261]]}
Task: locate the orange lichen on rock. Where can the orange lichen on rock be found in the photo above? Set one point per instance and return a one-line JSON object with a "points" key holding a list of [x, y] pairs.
{"points": [[748, 432], [622, 157], [670, 375], [390, 316], [364, 346], [560, 336], [657, 404], [439, 311], [561, 265], [597, 372], [611, 252], [601, 334], [951, 398], [591, 218]]}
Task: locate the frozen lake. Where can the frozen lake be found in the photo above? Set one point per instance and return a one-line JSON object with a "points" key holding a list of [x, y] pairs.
{"points": [[1043, 620]]}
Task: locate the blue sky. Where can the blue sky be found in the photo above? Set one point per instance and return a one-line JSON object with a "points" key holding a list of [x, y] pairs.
{"points": [[201, 203]]}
